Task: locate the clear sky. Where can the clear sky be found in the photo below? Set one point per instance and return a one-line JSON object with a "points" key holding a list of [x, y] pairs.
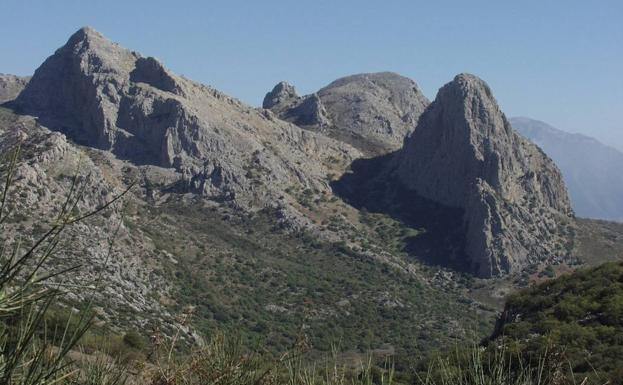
{"points": [[557, 61]]}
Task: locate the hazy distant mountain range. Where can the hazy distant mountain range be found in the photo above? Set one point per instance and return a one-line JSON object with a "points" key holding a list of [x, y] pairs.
{"points": [[592, 170]]}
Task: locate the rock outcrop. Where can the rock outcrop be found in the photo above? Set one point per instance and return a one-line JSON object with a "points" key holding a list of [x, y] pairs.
{"points": [[373, 112], [282, 95], [105, 96], [11, 86], [306, 111], [464, 154]]}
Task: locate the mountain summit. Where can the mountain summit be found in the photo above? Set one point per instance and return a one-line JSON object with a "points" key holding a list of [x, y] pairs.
{"points": [[105, 96], [372, 111], [464, 154], [282, 94]]}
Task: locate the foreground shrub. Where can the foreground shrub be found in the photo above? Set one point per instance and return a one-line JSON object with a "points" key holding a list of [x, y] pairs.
{"points": [[31, 352]]}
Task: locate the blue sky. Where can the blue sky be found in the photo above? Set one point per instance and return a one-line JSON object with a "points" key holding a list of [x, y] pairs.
{"points": [[557, 61]]}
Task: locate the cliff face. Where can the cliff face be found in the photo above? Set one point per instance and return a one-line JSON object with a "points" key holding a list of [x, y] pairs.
{"points": [[465, 154], [373, 112]]}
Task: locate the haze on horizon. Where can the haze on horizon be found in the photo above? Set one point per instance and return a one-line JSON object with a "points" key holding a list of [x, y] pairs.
{"points": [[551, 61]]}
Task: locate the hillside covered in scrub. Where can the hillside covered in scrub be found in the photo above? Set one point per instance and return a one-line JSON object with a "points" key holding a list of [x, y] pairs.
{"points": [[577, 316]]}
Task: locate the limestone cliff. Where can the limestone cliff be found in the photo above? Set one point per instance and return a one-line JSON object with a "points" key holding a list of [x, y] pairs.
{"points": [[465, 154]]}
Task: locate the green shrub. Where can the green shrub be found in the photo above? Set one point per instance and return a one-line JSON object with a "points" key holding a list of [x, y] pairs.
{"points": [[134, 340]]}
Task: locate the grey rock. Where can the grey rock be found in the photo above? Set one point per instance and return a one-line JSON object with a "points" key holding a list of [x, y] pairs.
{"points": [[11, 86], [308, 112], [44, 177], [591, 169], [107, 97], [465, 154], [283, 94], [373, 112]]}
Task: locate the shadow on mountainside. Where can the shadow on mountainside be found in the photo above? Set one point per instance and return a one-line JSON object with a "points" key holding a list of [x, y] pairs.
{"points": [[370, 186], [136, 149]]}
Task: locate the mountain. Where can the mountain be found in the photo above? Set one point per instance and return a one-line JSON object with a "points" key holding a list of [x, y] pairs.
{"points": [[591, 170], [230, 211], [465, 154], [374, 112], [302, 218], [11, 86], [104, 96], [504, 202]]}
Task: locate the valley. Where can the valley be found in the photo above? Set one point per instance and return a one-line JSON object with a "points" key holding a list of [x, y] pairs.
{"points": [[361, 218]]}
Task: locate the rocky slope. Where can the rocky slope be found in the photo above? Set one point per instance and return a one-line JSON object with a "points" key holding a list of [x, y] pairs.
{"points": [[11, 86], [592, 170], [373, 112], [51, 171], [107, 97], [465, 154]]}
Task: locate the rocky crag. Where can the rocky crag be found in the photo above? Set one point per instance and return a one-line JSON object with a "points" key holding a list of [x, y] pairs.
{"points": [[114, 118], [464, 154], [107, 97], [11, 86], [373, 112]]}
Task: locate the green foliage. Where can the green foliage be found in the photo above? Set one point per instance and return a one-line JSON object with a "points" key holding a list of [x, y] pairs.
{"points": [[221, 361], [494, 366], [580, 315], [101, 370], [224, 360], [266, 284]]}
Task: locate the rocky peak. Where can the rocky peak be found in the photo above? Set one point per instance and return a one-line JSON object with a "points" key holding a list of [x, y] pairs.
{"points": [[76, 90], [11, 86], [282, 93], [374, 112], [86, 36], [464, 154], [102, 95], [93, 51]]}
